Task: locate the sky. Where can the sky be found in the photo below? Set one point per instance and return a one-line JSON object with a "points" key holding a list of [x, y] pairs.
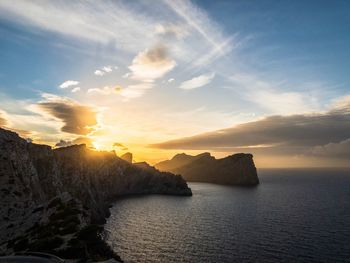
{"points": [[161, 77]]}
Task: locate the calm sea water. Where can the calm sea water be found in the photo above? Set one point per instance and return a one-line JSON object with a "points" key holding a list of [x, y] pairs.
{"points": [[292, 216]]}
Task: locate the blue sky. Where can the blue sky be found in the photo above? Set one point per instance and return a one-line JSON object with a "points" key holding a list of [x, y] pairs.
{"points": [[153, 71]]}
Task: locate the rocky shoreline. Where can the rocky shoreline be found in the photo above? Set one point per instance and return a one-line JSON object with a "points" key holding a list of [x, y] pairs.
{"points": [[57, 201]]}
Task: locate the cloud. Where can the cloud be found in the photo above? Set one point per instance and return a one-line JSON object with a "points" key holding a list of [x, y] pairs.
{"points": [[334, 150], [77, 118], [132, 91], [83, 140], [119, 145], [76, 89], [199, 21], [197, 82], [107, 69], [118, 25], [99, 72], [151, 64], [107, 90], [318, 133], [63, 143], [270, 96], [172, 31], [22, 133], [68, 84], [104, 70], [80, 140], [3, 121], [171, 80], [126, 75], [102, 22], [135, 91]]}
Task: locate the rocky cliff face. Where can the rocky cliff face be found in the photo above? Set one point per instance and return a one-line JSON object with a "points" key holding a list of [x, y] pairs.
{"points": [[83, 183], [237, 169]]}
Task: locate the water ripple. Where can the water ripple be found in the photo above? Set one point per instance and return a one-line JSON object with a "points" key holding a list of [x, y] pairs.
{"points": [[292, 216]]}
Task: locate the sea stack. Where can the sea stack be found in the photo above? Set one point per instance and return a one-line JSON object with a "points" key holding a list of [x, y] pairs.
{"points": [[236, 169]]}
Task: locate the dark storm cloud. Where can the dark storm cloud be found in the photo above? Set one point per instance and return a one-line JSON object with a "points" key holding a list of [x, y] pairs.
{"points": [[278, 135], [77, 119]]}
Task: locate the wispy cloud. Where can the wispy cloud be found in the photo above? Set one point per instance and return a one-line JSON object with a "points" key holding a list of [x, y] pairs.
{"points": [[271, 96], [76, 89], [135, 91], [107, 90], [120, 25], [69, 84], [201, 23], [197, 82], [172, 30], [100, 22], [130, 92]]}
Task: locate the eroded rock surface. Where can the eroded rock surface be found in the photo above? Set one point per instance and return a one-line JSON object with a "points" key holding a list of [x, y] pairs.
{"points": [[51, 200]]}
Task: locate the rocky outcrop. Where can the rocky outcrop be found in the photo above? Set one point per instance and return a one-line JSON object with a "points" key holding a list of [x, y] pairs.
{"points": [[83, 181], [127, 157], [237, 169]]}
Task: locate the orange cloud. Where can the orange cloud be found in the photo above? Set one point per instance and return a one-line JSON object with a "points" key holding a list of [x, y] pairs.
{"points": [[77, 118]]}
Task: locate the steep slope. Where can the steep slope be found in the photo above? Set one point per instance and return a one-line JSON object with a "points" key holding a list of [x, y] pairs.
{"points": [[237, 169], [83, 183]]}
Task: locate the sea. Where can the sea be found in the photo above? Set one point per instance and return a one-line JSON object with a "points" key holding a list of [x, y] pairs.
{"points": [[294, 215]]}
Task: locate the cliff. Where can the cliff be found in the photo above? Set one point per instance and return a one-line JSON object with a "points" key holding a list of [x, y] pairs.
{"points": [[51, 199], [237, 169]]}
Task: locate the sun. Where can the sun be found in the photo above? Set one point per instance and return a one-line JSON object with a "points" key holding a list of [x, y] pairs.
{"points": [[97, 145]]}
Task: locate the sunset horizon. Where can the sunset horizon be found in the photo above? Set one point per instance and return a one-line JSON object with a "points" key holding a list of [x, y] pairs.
{"points": [[197, 72], [174, 131]]}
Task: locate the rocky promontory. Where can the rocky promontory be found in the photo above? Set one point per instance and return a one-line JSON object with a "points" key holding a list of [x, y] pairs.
{"points": [[237, 169], [55, 201]]}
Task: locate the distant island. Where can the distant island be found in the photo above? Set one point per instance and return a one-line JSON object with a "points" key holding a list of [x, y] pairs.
{"points": [[237, 169], [56, 200]]}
